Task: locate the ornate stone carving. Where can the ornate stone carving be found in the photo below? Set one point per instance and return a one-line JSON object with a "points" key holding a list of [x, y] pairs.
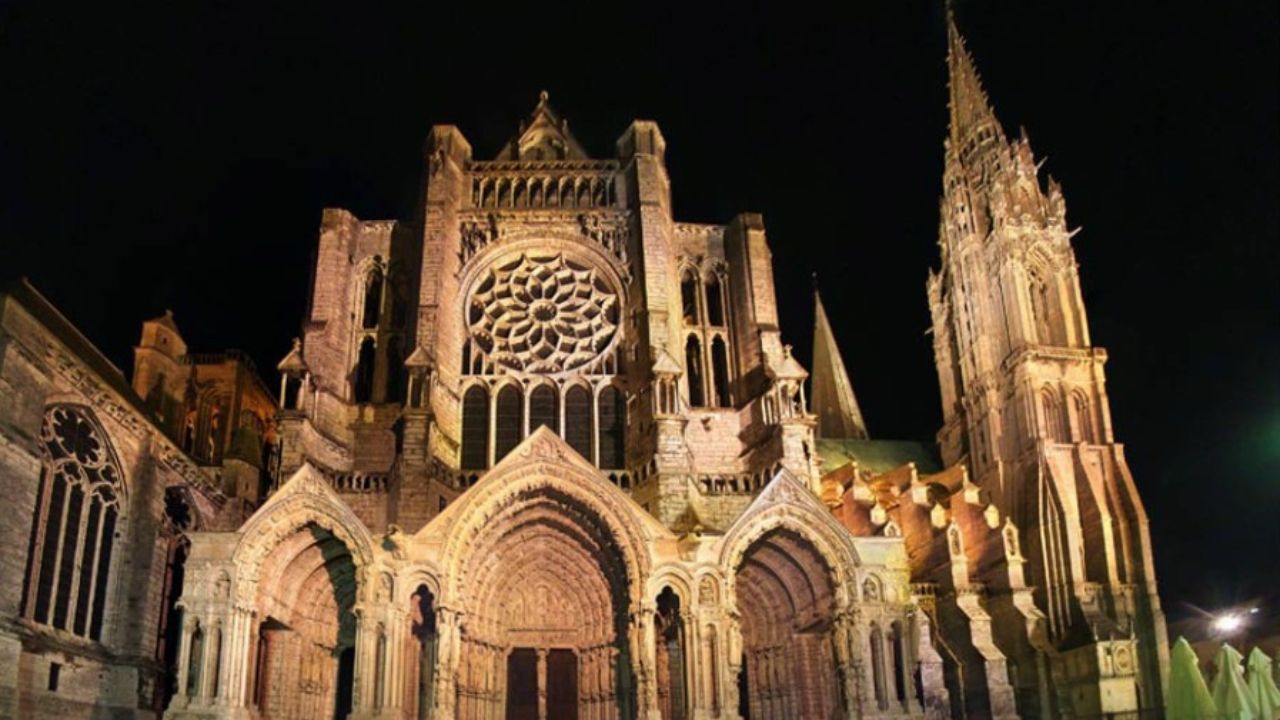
{"points": [[543, 313]]}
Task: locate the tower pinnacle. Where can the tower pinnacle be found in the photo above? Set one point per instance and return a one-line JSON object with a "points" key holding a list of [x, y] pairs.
{"points": [[970, 109]]}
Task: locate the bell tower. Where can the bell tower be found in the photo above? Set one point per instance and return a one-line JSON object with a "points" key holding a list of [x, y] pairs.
{"points": [[1025, 408]]}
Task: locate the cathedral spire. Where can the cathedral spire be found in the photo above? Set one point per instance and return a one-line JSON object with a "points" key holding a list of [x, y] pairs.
{"points": [[968, 103], [833, 399]]}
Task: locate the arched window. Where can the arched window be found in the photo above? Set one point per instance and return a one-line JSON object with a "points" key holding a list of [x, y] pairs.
{"points": [[715, 301], [689, 297], [612, 416], [195, 667], [544, 409], [1084, 419], [509, 428], [475, 428], [693, 371], [372, 298], [362, 376], [1053, 425], [395, 371], [577, 420], [77, 508], [720, 371], [897, 649]]}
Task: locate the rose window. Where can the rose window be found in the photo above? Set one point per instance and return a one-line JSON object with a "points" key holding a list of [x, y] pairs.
{"points": [[543, 314]]}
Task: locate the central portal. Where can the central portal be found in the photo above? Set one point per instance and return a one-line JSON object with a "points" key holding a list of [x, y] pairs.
{"points": [[546, 632], [536, 674]]}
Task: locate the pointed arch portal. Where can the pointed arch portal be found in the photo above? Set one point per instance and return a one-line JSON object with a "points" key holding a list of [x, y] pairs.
{"points": [[786, 596], [547, 591]]}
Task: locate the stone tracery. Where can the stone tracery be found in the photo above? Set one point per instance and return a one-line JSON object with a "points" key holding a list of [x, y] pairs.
{"points": [[543, 313]]}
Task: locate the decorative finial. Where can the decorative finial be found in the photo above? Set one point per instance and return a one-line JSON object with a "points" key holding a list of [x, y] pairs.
{"points": [[543, 97], [814, 277]]}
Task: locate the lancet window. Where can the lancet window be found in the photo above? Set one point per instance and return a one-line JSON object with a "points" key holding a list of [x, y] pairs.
{"points": [[77, 511], [1054, 427], [372, 306], [593, 423], [508, 421], [708, 365], [362, 375]]}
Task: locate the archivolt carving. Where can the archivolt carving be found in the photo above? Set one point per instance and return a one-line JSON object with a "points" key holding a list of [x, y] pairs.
{"points": [[784, 504], [308, 506], [517, 483], [543, 313]]}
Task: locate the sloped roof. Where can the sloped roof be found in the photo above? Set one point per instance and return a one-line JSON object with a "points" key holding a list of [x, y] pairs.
{"points": [[879, 456], [544, 136]]}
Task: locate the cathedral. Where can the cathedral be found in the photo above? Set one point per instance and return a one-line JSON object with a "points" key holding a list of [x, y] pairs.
{"points": [[542, 451]]}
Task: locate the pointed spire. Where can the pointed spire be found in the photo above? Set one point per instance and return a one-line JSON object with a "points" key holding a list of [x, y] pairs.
{"points": [[833, 399], [968, 103]]}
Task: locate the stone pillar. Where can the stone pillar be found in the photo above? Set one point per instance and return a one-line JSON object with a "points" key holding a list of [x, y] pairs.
{"points": [[732, 654], [644, 651], [236, 665], [848, 641], [542, 684], [448, 632], [180, 699]]}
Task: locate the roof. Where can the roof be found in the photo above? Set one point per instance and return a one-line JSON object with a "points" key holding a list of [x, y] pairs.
{"points": [[879, 456], [544, 136], [59, 326], [167, 321]]}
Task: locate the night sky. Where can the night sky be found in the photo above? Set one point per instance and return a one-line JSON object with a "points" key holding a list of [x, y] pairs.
{"points": [[179, 157]]}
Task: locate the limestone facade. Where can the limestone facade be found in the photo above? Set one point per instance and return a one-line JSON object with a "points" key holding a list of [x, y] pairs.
{"points": [[540, 451]]}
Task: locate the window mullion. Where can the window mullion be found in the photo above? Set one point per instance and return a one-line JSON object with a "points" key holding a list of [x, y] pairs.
{"points": [[93, 566], [57, 557], [74, 588]]}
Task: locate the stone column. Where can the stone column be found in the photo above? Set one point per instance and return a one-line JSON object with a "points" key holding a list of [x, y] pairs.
{"points": [[542, 684], [644, 650], [180, 699], [448, 632], [848, 642], [237, 642], [732, 666]]}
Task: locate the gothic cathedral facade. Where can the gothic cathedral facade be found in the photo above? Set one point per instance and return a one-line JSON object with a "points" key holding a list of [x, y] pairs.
{"points": [[541, 451]]}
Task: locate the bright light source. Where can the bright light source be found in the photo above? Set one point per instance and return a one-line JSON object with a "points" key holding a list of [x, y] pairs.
{"points": [[1227, 623]]}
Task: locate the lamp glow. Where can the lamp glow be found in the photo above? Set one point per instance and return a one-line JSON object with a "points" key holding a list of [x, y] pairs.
{"points": [[1227, 623]]}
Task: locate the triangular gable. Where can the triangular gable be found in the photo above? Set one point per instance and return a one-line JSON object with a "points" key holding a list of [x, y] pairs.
{"points": [[786, 491], [306, 480], [789, 368], [665, 364], [293, 362], [545, 136], [544, 446], [419, 358], [307, 488]]}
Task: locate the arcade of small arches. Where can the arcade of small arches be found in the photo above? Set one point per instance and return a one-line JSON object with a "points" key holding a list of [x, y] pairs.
{"points": [[378, 373], [588, 187], [591, 417], [542, 605]]}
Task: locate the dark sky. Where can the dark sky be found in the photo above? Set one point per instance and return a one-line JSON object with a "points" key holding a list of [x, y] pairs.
{"points": [[179, 156]]}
